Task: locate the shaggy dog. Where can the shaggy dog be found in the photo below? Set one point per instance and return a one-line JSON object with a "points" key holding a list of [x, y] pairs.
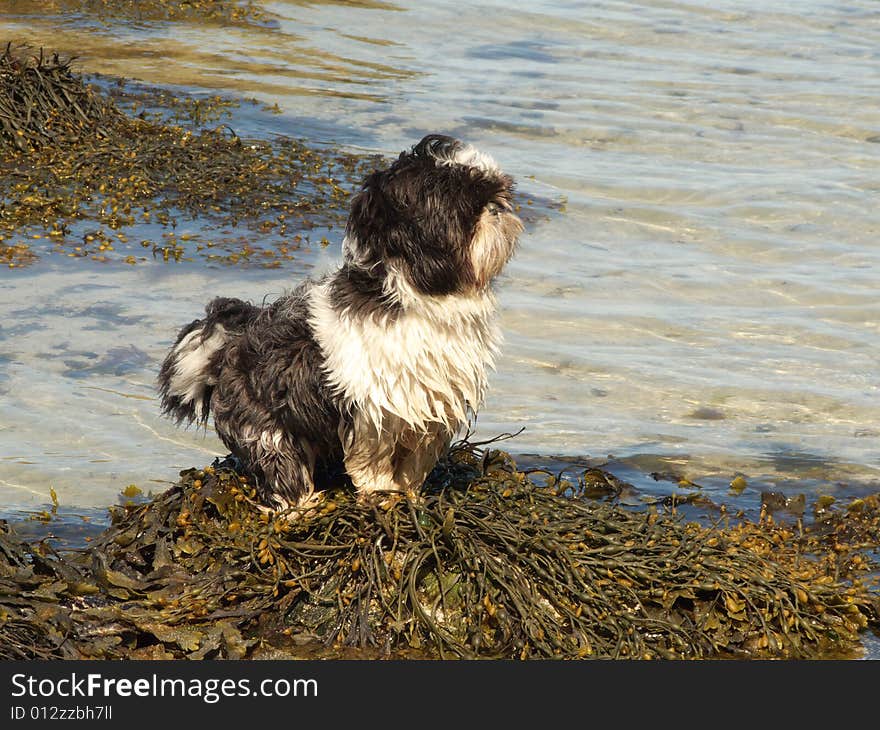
{"points": [[377, 365]]}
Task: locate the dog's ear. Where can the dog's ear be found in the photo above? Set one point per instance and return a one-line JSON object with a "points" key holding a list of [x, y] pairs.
{"points": [[395, 222], [436, 271]]}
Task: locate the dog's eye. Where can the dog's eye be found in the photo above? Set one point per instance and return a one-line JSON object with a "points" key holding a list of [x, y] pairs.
{"points": [[494, 208]]}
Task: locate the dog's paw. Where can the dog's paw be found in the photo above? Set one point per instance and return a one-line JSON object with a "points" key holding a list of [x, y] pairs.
{"points": [[303, 509], [386, 500]]}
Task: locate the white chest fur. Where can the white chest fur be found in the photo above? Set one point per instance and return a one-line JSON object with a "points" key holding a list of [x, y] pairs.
{"points": [[426, 365]]}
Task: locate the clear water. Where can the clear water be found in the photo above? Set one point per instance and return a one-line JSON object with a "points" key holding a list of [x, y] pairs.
{"points": [[706, 304]]}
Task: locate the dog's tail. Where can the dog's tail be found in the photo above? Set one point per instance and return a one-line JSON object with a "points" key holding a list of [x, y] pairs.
{"points": [[191, 369]]}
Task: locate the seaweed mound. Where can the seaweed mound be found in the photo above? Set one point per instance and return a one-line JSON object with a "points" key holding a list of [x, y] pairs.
{"points": [[486, 562], [71, 154]]}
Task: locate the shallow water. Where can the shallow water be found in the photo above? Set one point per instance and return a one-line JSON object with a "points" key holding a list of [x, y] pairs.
{"points": [[706, 304]]}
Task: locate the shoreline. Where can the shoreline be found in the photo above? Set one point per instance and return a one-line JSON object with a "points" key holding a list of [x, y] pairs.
{"points": [[65, 219]]}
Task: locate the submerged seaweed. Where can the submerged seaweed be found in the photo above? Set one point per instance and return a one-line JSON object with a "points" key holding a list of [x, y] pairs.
{"points": [[69, 154], [486, 562]]}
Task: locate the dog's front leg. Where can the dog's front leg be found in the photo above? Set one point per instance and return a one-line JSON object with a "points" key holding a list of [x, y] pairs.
{"points": [[369, 456], [417, 453]]}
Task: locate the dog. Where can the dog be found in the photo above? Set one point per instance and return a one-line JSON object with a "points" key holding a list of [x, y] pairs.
{"points": [[376, 366]]}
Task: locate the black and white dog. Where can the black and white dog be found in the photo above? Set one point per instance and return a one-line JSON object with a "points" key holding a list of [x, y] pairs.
{"points": [[377, 365]]}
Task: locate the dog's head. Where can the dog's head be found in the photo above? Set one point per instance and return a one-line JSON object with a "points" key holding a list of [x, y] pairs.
{"points": [[441, 216]]}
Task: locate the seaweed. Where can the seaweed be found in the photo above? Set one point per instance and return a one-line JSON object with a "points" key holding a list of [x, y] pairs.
{"points": [[485, 562], [70, 154]]}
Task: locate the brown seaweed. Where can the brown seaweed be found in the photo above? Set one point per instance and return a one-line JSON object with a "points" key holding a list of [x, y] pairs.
{"points": [[69, 154], [486, 562]]}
